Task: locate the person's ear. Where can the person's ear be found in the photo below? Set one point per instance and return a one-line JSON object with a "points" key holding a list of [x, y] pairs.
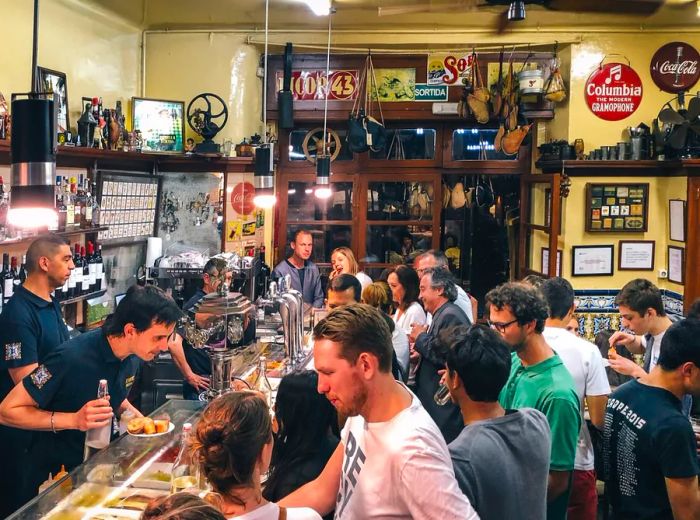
{"points": [[367, 364], [687, 369], [130, 330], [454, 382], [44, 263]]}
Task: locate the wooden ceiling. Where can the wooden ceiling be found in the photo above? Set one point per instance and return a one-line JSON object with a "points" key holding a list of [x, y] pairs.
{"points": [[293, 15]]}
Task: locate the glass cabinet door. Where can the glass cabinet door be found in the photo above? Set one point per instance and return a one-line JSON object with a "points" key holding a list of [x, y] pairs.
{"points": [[408, 144], [474, 144], [393, 201], [304, 206]]}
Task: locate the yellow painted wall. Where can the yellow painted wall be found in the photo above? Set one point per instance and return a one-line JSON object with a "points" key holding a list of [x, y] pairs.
{"points": [[98, 52]]}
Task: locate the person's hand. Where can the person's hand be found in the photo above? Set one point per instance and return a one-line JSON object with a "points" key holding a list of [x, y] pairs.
{"points": [[94, 414], [624, 366], [198, 382], [622, 338], [416, 330], [413, 356]]}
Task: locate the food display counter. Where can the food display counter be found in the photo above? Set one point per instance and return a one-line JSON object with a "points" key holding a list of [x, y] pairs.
{"points": [[119, 481]]}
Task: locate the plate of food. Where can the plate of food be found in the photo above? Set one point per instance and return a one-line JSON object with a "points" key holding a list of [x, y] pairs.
{"points": [[147, 427]]}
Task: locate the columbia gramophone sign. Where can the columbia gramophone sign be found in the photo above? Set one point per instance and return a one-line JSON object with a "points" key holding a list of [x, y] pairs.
{"points": [[674, 67], [613, 91]]}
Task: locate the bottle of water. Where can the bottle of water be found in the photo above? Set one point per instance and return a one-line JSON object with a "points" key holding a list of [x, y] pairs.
{"points": [[261, 383], [98, 438], [184, 473]]}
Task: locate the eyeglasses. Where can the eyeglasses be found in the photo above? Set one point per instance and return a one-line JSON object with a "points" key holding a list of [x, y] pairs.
{"points": [[500, 326]]}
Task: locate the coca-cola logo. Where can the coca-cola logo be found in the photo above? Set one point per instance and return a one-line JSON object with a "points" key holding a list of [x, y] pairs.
{"points": [[242, 198], [674, 67], [614, 91]]}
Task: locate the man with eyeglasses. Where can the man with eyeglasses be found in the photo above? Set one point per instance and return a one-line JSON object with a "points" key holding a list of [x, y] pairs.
{"points": [[538, 379]]}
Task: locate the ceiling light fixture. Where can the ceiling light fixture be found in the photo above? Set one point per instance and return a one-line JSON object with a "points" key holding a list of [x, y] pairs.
{"points": [[516, 11], [32, 197], [319, 7], [263, 181]]}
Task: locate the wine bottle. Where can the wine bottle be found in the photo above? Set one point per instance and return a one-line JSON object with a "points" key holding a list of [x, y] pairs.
{"points": [[15, 272], [92, 266], [7, 278], [23, 269], [86, 289], [99, 268], [78, 272]]}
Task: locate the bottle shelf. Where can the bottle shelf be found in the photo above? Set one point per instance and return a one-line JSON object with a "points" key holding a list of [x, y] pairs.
{"points": [[83, 297], [70, 232]]}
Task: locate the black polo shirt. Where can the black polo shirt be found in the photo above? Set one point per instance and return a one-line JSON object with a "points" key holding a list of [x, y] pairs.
{"points": [[64, 381], [30, 328]]}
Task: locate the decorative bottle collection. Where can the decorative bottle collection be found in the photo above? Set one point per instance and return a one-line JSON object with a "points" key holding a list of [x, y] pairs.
{"points": [[87, 276]]}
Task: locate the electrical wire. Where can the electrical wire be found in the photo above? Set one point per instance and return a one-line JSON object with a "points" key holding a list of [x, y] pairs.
{"points": [[326, 140], [267, 28]]}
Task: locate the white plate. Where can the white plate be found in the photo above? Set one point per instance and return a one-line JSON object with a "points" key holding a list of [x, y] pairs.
{"points": [[171, 427]]}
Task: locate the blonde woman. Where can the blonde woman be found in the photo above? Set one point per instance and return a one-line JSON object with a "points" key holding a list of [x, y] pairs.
{"points": [[343, 261]]}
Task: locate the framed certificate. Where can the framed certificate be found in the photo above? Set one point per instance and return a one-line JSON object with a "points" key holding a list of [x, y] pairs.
{"points": [[676, 264], [676, 220], [592, 260], [635, 255]]}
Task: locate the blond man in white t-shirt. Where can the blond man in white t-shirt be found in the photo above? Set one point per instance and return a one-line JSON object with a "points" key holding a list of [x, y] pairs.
{"points": [[585, 364], [392, 461]]}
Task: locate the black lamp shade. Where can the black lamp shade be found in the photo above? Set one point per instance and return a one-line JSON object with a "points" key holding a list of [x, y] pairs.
{"points": [[516, 11], [323, 170]]}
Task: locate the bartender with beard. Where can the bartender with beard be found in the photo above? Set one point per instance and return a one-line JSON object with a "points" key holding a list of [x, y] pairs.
{"points": [[194, 364], [31, 327]]}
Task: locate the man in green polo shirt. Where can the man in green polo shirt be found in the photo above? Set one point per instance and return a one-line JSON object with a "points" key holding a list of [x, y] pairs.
{"points": [[538, 379]]}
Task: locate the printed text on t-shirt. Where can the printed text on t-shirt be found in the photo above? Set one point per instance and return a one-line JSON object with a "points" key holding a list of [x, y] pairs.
{"points": [[354, 462], [626, 412]]}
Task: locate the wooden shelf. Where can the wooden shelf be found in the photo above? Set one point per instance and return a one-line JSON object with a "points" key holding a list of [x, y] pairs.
{"points": [[83, 297], [613, 168], [78, 157], [71, 232]]}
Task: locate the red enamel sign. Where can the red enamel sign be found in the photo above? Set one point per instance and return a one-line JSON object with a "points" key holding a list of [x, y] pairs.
{"points": [[614, 91], [674, 67], [242, 198]]}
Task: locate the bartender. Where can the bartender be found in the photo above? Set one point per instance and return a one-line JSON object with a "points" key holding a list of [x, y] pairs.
{"points": [[57, 400], [31, 327], [194, 364], [304, 273]]}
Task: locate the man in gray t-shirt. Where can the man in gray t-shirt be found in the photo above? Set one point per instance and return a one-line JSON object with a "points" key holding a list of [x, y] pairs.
{"points": [[501, 457]]}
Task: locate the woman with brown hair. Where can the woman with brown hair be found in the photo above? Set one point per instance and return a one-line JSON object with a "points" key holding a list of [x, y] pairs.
{"points": [[378, 294], [343, 261], [403, 282], [181, 506], [233, 445]]}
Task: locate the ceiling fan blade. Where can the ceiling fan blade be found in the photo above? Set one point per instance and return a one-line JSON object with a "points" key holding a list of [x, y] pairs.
{"points": [[670, 116], [693, 108], [638, 7], [678, 137]]}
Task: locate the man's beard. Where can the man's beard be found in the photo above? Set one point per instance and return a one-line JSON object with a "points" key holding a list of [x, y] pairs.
{"points": [[358, 401]]}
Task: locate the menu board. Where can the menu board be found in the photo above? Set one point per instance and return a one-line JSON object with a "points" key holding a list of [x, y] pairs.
{"points": [[617, 208], [128, 206]]}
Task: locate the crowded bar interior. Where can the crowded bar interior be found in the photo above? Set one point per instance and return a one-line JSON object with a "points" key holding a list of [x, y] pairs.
{"points": [[351, 259]]}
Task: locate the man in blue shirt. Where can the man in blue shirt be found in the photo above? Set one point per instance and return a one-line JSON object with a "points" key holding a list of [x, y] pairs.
{"points": [[305, 275], [31, 326], [57, 400]]}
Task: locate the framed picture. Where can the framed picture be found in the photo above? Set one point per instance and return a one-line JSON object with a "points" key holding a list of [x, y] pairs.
{"points": [[676, 264], [592, 260], [54, 81], [676, 220], [635, 255], [161, 123], [617, 208], [545, 261]]}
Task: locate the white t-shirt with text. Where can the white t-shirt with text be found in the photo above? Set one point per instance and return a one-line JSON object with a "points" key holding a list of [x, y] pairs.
{"points": [[585, 364], [398, 469]]}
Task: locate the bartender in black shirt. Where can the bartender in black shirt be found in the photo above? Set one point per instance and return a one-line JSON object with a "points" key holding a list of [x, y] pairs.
{"points": [[58, 399], [194, 364], [31, 327]]}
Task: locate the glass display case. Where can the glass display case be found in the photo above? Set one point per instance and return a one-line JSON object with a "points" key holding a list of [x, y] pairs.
{"points": [[119, 481], [408, 144]]}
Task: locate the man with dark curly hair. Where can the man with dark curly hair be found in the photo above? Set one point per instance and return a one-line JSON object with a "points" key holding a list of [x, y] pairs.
{"points": [[538, 379]]}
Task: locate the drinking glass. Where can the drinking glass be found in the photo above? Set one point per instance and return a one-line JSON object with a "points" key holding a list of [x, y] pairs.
{"points": [[442, 396]]}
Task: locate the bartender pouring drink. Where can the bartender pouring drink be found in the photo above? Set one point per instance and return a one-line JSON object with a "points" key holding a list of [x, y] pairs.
{"points": [[31, 326], [57, 399]]}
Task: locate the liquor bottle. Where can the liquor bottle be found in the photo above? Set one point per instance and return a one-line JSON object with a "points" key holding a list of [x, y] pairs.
{"points": [[86, 221], [77, 201], [1, 298], [15, 272], [95, 206], [92, 266], [4, 208], [7, 278], [86, 288], [70, 204], [78, 272], [263, 276], [98, 438], [99, 268], [23, 269], [61, 207], [184, 473], [261, 383]]}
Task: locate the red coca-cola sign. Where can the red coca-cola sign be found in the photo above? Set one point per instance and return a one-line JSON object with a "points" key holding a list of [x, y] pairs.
{"points": [[242, 198], [614, 91], [674, 67]]}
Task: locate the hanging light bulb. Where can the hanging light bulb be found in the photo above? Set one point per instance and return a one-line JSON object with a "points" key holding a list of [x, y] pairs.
{"points": [[32, 198], [323, 160], [263, 179]]}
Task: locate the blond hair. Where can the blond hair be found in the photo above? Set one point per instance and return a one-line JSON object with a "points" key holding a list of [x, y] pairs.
{"points": [[347, 253]]}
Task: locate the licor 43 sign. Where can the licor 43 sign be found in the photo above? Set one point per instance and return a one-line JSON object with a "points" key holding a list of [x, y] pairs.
{"points": [[613, 91]]}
